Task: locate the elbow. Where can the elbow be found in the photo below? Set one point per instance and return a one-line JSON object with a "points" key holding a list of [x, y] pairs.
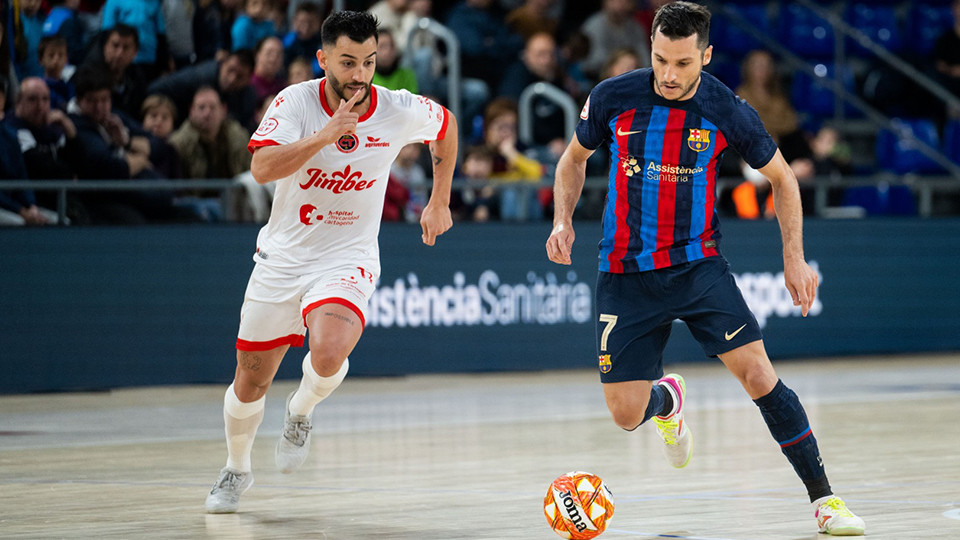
{"points": [[259, 172]]}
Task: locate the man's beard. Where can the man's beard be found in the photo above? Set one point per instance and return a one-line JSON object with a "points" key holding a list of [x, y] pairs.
{"points": [[338, 89], [686, 91]]}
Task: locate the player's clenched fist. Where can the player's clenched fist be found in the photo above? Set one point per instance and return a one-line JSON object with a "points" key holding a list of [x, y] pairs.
{"points": [[560, 243]]}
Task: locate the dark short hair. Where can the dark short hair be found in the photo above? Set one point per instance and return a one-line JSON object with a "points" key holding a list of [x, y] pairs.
{"points": [[123, 30], [679, 20], [92, 77], [307, 7], [50, 41], [359, 26], [244, 56], [480, 151]]}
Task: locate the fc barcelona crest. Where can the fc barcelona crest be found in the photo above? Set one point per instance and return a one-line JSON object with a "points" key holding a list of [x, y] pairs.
{"points": [[699, 140], [605, 363]]}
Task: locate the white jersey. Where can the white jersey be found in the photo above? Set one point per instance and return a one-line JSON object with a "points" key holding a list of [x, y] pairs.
{"points": [[328, 212]]}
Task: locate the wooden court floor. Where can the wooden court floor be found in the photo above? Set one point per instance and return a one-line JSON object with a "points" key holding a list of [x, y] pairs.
{"points": [[471, 456]]}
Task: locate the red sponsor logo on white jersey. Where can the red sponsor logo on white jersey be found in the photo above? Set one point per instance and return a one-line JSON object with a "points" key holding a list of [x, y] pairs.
{"points": [[309, 215], [337, 181], [268, 126], [374, 142]]}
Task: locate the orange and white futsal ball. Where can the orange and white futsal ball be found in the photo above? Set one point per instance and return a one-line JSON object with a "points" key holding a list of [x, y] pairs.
{"points": [[578, 505]]}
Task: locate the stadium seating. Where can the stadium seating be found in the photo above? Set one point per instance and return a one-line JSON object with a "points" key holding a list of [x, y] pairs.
{"points": [[735, 40], [898, 154], [882, 200], [878, 22], [925, 24], [814, 99], [805, 33], [951, 140]]}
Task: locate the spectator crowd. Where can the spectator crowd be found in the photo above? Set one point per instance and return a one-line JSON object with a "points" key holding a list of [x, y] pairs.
{"points": [[154, 90]]}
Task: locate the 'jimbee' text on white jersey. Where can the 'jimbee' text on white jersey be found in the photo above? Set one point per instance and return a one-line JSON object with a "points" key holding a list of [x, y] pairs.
{"points": [[328, 212]]}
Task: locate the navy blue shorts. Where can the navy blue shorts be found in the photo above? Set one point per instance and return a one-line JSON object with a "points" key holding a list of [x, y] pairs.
{"points": [[637, 310]]}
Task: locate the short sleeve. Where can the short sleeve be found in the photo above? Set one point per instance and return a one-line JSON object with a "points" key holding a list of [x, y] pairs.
{"points": [[283, 121], [747, 135], [428, 119], [592, 130]]}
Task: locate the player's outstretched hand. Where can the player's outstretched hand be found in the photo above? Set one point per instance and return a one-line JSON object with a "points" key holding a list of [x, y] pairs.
{"points": [[435, 220], [802, 281], [560, 243]]}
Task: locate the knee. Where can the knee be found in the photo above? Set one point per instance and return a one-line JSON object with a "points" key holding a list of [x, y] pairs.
{"points": [[326, 360], [759, 380], [627, 415]]}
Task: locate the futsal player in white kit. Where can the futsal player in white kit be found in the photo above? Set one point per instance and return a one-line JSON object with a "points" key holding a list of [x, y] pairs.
{"points": [[328, 144]]}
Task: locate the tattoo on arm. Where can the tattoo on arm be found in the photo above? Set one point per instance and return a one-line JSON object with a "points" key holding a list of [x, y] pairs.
{"points": [[339, 317], [250, 361], [436, 160]]}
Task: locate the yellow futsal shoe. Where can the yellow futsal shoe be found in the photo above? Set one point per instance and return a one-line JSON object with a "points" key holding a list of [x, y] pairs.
{"points": [[834, 518], [673, 430]]}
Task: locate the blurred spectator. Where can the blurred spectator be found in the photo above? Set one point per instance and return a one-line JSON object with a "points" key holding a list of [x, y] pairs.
{"points": [[486, 44], [538, 63], [946, 56], [47, 136], [299, 71], [760, 87], [211, 30], [230, 11], [477, 198], [252, 25], [389, 74], [146, 17], [231, 78], [394, 200], [407, 171], [831, 156], [8, 75], [178, 18], [303, 41], [620, 62], [753, 198], [109, 148], [533, 17], [395, 16], [3, 96], [648, 8], [64, 21], [53, 58], [211, 145], [159, 115], [28, 28], [17, 207], [129, 82], [517, 174], [268, 74], [574, 50], [611, 29]]}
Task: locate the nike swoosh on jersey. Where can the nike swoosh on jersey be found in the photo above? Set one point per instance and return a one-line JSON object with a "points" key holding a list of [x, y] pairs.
{"points": [[730, 336], [622, 133]]}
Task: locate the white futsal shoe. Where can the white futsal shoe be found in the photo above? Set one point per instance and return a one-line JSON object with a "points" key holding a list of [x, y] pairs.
{"points": [[224, 498], [835, 519], [294, 443], [673, 430]]}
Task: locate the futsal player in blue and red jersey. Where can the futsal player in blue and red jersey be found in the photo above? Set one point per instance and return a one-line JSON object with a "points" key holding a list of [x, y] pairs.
{"points": [[667, 128]]}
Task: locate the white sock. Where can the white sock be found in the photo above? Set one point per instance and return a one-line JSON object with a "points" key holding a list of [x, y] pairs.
{"points": [[674, 397], [314, 388], [240, 421]]}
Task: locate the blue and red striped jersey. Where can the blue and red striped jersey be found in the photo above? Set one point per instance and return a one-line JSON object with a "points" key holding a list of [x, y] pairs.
{"points": [[664, 158]]}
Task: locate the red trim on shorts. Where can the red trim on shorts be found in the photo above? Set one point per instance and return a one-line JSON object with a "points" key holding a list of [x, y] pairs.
{"points": [[294, 340], [340, 301], [252, 145]]}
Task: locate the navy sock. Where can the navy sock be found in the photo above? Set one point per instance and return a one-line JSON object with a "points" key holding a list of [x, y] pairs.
{"points": [[660, 402], [784, 415]]}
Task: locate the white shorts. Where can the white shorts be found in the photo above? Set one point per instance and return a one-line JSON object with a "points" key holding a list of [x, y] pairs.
{"points": [[276, 304]]}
